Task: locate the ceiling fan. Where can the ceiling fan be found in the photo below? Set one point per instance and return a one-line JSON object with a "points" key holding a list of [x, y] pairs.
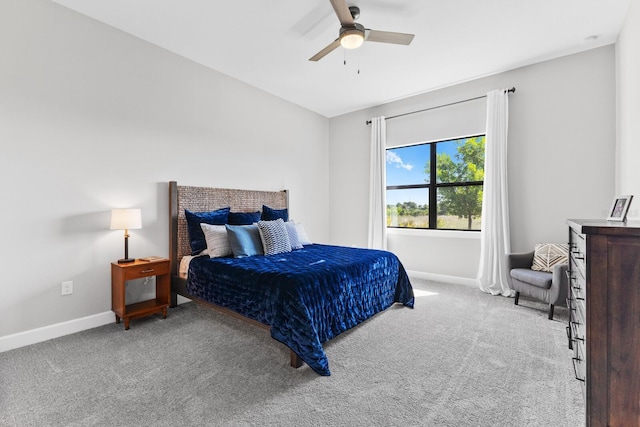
{"points": [[352, 35]]}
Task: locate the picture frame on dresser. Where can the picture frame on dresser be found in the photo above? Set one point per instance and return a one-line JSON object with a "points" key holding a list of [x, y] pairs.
{"points": [[619, 208]]}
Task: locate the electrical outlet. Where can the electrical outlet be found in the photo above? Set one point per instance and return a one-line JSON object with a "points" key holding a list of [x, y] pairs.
{"points": [[66, 288]]}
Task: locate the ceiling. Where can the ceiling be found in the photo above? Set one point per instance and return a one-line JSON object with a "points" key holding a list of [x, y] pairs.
{"points": [[267, 44]]}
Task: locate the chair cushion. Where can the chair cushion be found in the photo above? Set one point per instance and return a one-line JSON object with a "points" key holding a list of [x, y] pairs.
{"points": [[541, 279]]}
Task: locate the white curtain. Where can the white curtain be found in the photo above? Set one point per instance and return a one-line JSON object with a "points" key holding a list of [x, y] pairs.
{"points": [[377, 185], [495, 238]]}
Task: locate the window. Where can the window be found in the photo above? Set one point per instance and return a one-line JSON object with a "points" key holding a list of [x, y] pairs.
{"points": [[445, 197]]}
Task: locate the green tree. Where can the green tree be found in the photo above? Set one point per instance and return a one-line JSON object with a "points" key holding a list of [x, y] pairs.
{"points": [[467, 165]]}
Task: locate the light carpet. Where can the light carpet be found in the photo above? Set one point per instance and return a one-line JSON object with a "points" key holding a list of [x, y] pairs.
{"points": [[460, 358]]}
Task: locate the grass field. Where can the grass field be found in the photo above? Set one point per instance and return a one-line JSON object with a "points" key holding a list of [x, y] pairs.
{"points": [[444, 222]]}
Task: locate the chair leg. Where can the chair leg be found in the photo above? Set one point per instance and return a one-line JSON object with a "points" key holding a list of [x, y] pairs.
{"points": [[550, 311], [517, 298]]}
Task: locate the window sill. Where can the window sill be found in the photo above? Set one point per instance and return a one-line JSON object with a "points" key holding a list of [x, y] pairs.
{"points": [[444, 234]]}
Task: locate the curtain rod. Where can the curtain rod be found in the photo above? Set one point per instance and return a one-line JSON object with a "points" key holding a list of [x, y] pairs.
{"points": [[512, 90]]}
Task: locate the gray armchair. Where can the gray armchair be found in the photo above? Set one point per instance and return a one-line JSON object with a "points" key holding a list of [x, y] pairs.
{"points": [[549, 287]]}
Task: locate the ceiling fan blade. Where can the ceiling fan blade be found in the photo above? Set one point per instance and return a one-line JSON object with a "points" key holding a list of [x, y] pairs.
{"points": [[389, 37], [342, 10], [318, 56]]}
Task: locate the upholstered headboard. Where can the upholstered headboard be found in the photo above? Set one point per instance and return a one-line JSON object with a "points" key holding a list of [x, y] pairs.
{"points": [[204, 199]]}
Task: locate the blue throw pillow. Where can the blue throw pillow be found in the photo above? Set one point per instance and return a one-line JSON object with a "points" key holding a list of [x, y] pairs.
{"points": [[243, 218], [244, 240], [196, 236], [269, 214]]}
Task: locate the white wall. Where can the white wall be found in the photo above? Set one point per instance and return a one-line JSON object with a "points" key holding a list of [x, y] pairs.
{"points": [[561, 159], [91, 119], [628, 108]]}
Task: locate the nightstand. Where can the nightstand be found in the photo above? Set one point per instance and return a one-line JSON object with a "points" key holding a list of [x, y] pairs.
{"points": [[120, 273]]}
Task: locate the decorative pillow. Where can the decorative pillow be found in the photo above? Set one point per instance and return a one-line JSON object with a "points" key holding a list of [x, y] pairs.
{"points": [[243, 218], [244, 240], [275, 239], [547, 255], [269, 214], [194, 219], [302, 235], [294, 241], [217, 240]]}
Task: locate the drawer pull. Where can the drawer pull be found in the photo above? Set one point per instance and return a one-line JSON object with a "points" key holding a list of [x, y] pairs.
{"points": [[569, 338], [573, 342], [149, 270], [574, 335], [570, 306], [579, 299], [575, 371]]}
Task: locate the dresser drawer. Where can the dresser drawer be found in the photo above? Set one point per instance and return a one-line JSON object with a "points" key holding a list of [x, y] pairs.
{"points": [[577, 322], [580, 368], [577, 250], [577, 282], [579, 362]]}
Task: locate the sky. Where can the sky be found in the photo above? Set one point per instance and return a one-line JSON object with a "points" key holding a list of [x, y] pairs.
{"points": [[406, 165]]}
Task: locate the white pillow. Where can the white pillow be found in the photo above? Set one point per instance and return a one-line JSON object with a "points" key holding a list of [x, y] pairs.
{"points": [[302, 235], [217, 240], [294, 240]]}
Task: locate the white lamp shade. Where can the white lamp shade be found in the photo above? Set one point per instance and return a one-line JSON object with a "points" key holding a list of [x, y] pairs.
{"points": [[351, 39], [126, 219]]}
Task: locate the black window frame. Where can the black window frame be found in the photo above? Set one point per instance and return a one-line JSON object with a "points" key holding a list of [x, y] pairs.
{"points": [[433, 184]]}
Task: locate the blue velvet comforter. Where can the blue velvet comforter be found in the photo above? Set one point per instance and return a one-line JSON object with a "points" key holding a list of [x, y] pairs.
{"points": [[307, 296]]}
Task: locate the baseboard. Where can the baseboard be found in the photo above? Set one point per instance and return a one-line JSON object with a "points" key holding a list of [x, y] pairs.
{"points": [[33, 336], [443, 278]]}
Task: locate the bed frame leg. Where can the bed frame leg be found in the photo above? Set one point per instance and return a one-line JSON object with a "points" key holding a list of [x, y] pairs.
{"points": [[174, 300], [296, 362]]}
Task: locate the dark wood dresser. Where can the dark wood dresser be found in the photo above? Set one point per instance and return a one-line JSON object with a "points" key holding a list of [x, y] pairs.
{"points": [[604, 326]]}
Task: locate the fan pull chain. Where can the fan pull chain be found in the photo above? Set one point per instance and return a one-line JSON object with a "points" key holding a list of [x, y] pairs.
{"points": [[344, 61]]}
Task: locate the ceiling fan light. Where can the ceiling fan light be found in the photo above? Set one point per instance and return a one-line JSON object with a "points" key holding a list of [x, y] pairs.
{"points": [[351, 39]]}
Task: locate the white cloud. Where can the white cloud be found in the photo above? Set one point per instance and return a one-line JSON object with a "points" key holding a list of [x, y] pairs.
{"points": [[393, 158]]}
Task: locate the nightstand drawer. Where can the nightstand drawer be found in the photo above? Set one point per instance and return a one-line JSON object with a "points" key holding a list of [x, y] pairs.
{"points": [[145, 270]]}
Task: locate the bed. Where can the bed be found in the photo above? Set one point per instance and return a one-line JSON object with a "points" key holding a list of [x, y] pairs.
{"points": [[304, 297]]}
